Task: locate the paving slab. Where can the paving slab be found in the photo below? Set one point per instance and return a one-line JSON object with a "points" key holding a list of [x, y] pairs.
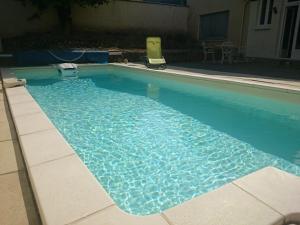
{"points": [[44, 146], [1, 96], [66, 191], [3, 114], [228, 205], [17, 206], [10, 157], [31, 123], [4, 111], [7, 131], [115, 216], [278, 189], [25, 108]]}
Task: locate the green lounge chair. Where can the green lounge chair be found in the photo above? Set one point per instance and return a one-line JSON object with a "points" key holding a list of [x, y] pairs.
{"points": [[154, 55]]}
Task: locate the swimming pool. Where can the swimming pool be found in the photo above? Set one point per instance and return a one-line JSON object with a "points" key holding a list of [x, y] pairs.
{"points": [[154, 140]]}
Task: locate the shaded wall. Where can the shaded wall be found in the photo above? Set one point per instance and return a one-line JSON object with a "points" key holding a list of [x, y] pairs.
{"points": [[115, 16], [14, 19], [126, 15], [202, 7]]}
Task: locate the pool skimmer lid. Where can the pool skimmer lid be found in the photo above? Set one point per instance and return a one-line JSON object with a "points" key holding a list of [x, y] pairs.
{"points": [[68, 70]]}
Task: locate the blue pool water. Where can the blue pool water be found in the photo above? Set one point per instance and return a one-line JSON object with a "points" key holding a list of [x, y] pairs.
{"points": [[155, 142]]}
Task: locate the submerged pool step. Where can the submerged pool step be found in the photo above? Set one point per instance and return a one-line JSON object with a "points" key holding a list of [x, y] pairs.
{"points": [[14, 82]]}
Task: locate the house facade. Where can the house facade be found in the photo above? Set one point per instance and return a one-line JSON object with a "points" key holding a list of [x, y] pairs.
{"points": [[274, 29], [259, 28], [267, 29], [217, 21]]}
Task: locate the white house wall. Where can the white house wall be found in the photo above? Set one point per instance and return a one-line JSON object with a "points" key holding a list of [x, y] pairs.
{"points": [[264, 43]]}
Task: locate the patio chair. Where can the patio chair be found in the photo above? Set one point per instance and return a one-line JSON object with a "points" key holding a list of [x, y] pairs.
{"points": [[208, 51], [227, 52], [154, 57]]}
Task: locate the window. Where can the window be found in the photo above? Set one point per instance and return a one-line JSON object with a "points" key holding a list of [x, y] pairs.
{"points": [[265, 12], [214, 26]]}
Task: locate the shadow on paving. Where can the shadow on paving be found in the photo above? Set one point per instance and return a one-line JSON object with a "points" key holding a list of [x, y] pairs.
{"points": [[17, 203], [253, 69]]}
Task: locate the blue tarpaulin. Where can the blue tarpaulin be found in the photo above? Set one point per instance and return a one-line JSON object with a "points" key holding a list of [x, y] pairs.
{"points": [[45, 57]]}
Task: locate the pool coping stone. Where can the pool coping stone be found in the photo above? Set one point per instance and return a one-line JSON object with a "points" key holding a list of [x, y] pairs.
{"points": [[284, 196], [221, 76]]}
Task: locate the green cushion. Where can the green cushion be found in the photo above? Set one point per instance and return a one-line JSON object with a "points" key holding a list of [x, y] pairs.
{"points": [[154, 48]]}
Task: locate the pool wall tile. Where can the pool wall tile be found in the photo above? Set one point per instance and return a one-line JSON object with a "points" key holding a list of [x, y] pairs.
{"points": [[44, 146], [227, 205], [277, 189], [66, 191]]}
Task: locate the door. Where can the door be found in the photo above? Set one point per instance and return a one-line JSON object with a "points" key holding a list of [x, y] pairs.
{"points": [[296, 45], [290, 47]]}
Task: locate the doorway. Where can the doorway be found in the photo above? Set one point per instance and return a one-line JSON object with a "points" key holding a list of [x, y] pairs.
{"points": [[290, 47]]}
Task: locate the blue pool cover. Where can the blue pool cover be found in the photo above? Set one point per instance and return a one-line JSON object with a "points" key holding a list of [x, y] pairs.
{"points": [[46, 57]]}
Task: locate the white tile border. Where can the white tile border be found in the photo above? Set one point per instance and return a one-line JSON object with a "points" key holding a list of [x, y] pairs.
{"points": [[55, 181], [276, 84]]}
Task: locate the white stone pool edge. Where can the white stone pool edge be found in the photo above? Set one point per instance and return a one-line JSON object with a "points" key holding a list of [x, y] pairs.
{"points": [[225, 77], [67, 193]]}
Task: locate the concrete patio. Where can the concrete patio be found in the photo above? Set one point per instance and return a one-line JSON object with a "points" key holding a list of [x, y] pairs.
{"points": [[17, 202]]}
